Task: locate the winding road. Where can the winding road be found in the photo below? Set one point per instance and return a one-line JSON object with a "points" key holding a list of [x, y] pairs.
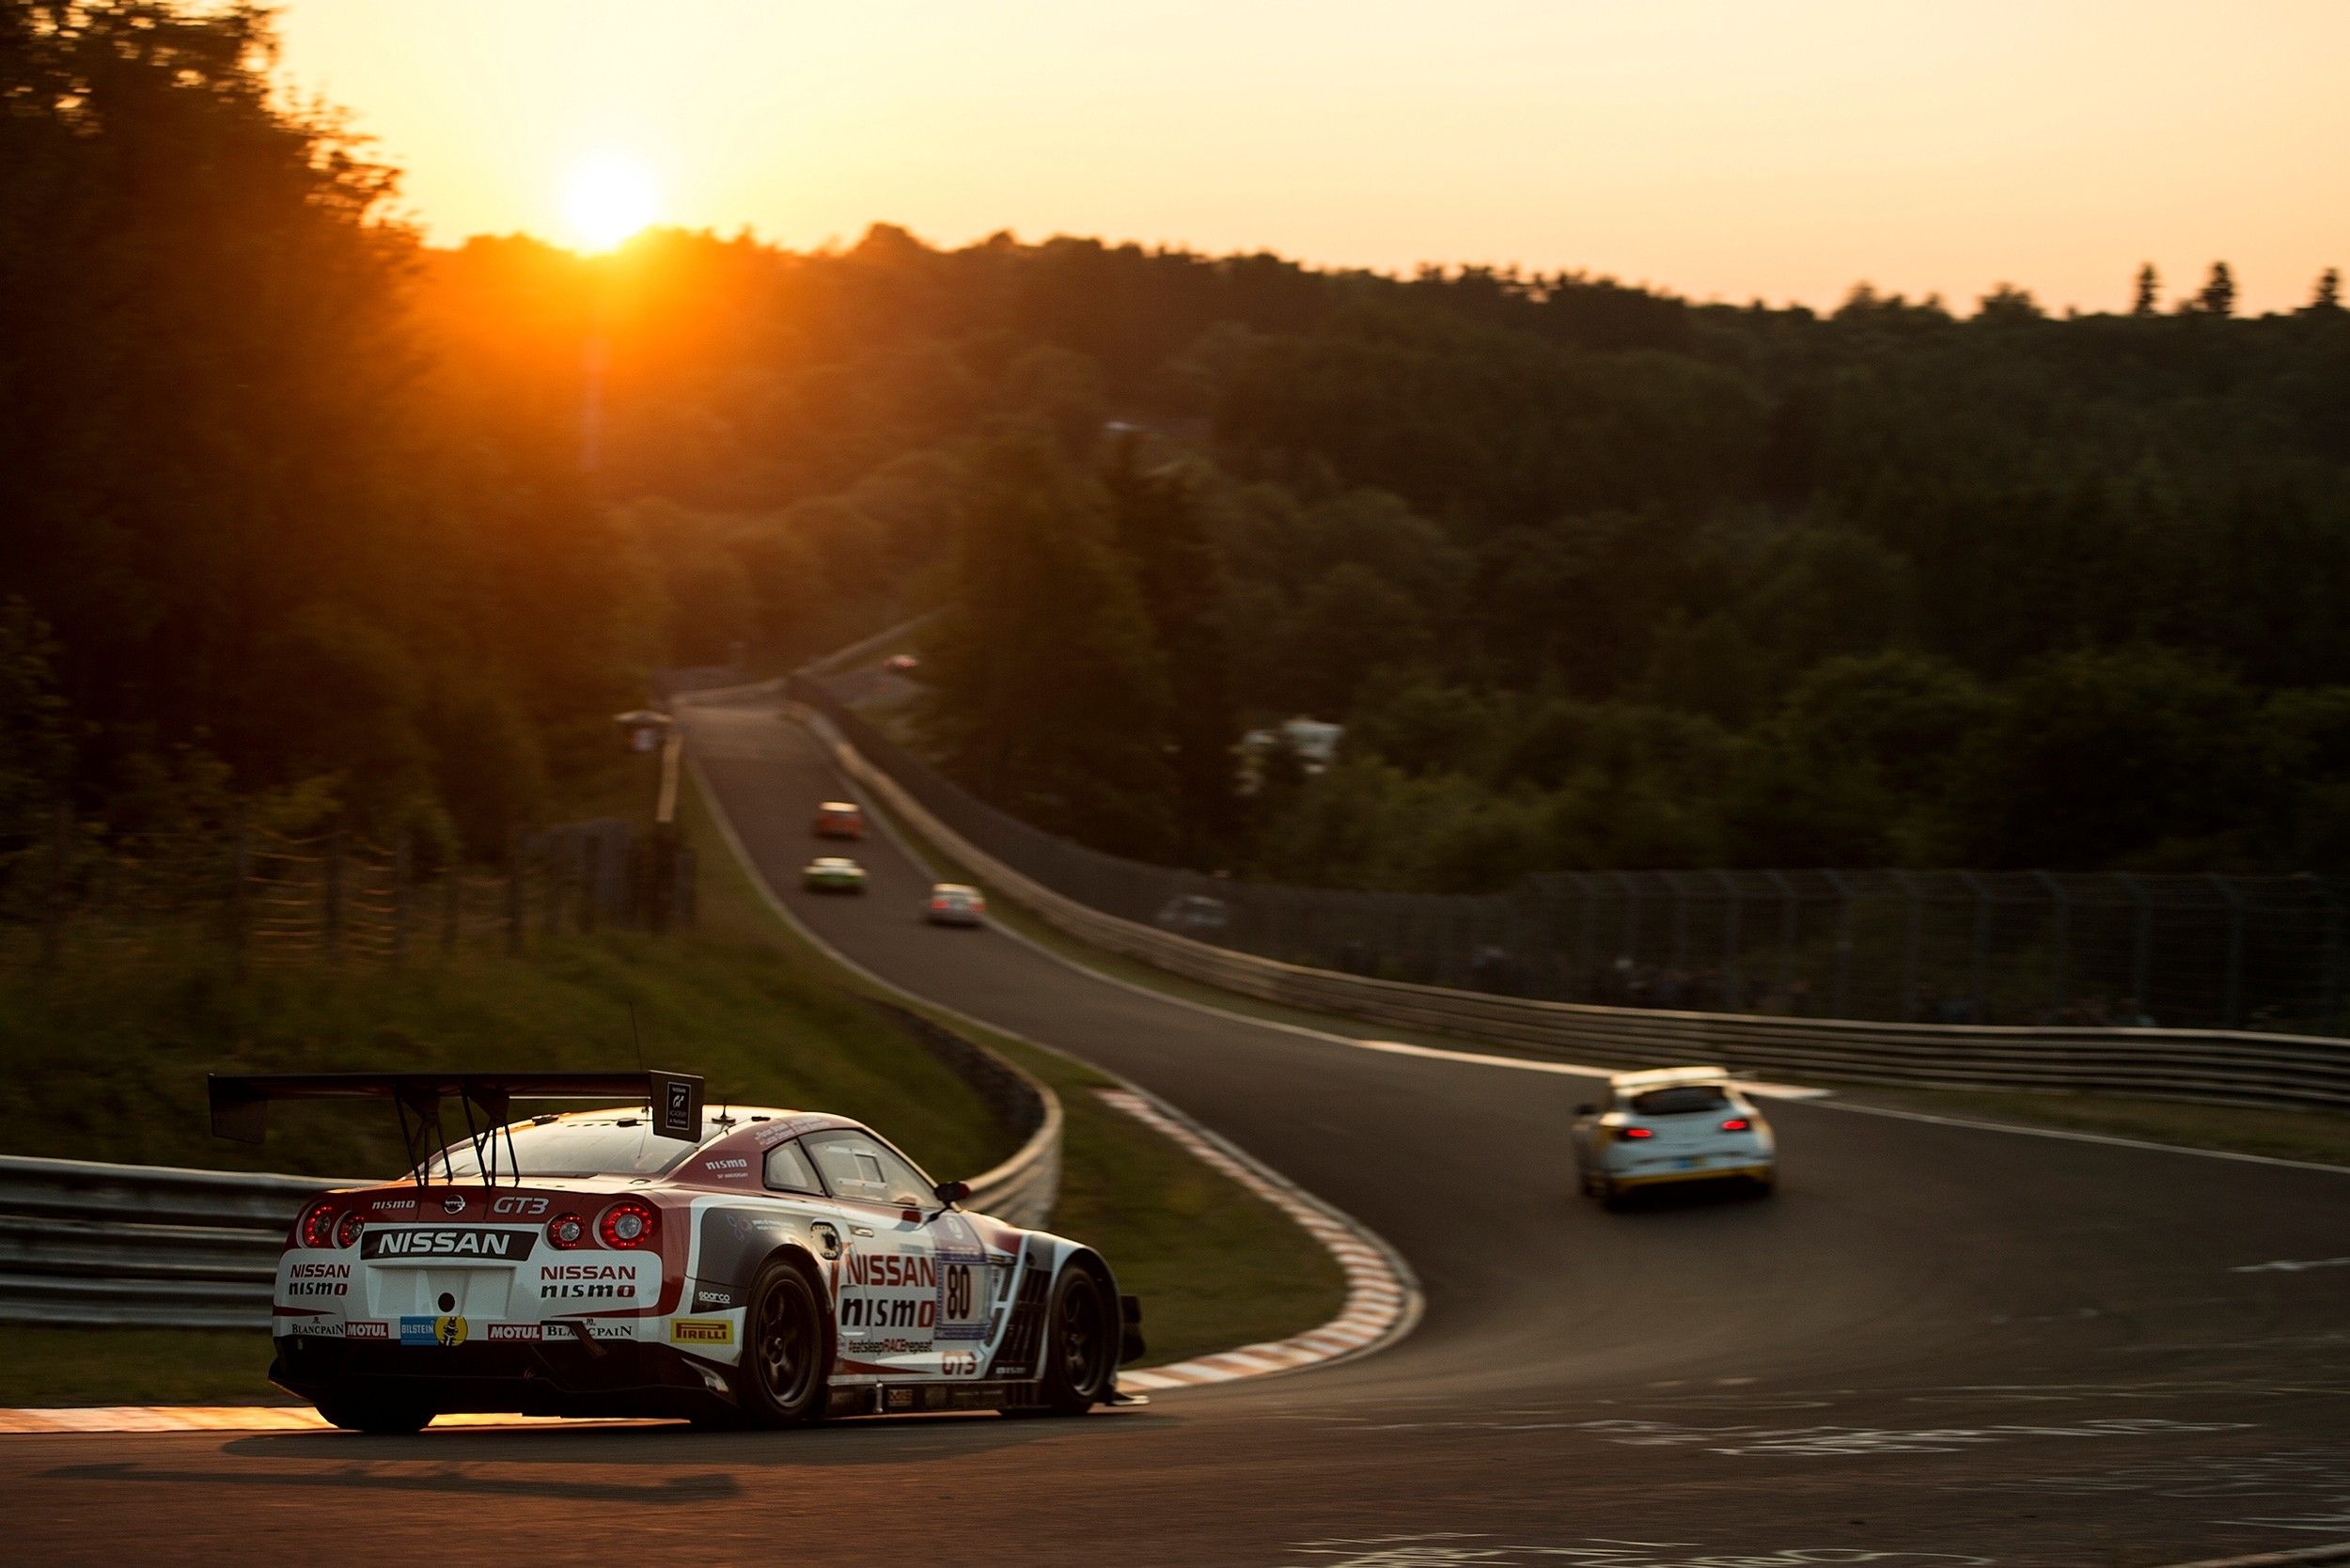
{"points": [[1938, 1344]]}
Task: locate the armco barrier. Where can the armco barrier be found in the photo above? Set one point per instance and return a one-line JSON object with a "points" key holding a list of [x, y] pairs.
{"points": [[202, 1251], [2209, 1066]]}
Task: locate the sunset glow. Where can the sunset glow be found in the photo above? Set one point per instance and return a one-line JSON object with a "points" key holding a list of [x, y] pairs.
{"points": [[607, 199], [1717, 148]]}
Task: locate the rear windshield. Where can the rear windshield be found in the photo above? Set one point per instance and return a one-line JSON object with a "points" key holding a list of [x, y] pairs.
{"points": [[1684, 1101], [625, 1146]]}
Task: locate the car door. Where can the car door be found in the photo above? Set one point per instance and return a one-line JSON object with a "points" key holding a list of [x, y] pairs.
{"points": [[890, 1295]]}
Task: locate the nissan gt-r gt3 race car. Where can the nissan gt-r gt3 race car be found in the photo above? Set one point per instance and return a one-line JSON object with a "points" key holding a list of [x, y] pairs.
{"points": [[759, 1267]]}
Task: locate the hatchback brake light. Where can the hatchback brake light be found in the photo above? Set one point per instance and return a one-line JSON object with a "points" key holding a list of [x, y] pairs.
{"points": [[1737, 1124], [1635, 1132]]}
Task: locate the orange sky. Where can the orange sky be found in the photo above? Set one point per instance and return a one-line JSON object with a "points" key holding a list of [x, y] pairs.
{"points": [[1726, 149]]}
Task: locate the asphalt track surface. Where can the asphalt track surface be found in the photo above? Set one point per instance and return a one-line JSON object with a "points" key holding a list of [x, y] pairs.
{"points": [[1936, 1346]]}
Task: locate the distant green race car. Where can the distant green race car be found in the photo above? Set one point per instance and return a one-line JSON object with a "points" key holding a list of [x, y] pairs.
{"points": [[833, 874]]}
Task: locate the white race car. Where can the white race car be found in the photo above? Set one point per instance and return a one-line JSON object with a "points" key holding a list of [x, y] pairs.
{"points": [[1671, 1125], [756, 1267]]}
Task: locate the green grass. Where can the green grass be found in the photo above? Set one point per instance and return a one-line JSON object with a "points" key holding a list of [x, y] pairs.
{"points": [[42, 1367], [107, 1060], [761, 1011]]}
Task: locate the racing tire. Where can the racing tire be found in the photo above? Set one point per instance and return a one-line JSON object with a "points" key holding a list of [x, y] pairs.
{"points": [[1080, 1344], [784, 1378], [377, 1417]]}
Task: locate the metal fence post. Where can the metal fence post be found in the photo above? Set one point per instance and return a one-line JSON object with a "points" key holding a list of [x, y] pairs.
{"points": [[330, 896], [1844, 944], [399, 898], [513, 895], [52, 904], [239, 884], [2232, 1007], [1912, 912], [551, 880], [1586, 935], [1979, 997], [1631, 929], [590, 880], [1733, 990], [2060, 939], [452, 902], [1783, 961], [2141, 942]]}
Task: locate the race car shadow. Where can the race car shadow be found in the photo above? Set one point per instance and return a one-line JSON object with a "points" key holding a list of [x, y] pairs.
{"points": [[875, 1440], [707, 1487], [1678, 1196]]}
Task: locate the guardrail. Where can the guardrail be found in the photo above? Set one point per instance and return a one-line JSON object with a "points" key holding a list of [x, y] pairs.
{"points": [[2208, 1066], [203, 1251]]}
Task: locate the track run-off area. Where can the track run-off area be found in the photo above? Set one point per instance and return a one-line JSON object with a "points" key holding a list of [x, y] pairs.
{"points": [[1939, 1343]]}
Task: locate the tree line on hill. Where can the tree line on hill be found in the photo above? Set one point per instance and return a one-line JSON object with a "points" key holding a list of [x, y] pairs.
{"points": [[1595, 576]]}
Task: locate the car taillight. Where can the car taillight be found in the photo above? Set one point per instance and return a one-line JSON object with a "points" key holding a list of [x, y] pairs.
{"points": [[347, 1230], [938, 903], [630, 1222], [567, 1232], [1634, 1131], [1737, 1124], [316, 1228]]}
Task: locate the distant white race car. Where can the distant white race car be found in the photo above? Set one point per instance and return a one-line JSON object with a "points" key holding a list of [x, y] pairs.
{"points": [[955, 903], [1671, 1125]]}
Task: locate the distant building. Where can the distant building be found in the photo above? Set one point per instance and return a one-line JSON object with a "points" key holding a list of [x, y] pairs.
{"points": [[1313, 743]]}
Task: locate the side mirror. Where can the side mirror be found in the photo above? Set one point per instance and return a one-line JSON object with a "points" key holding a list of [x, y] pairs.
{"points": [[952, 1193], [1586, 1110]]}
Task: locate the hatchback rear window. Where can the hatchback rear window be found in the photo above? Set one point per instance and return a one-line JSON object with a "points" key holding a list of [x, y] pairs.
{"points": [[1688, 1100], [625, 1146]]}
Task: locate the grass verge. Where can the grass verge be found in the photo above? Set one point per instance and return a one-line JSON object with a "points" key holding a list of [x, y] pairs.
{"points": [[764, 1013], [1215, 1265]]}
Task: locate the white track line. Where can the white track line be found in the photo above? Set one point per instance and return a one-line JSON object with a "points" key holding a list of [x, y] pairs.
{"points": [[1826, 1099], [1382, 1301], [1357, 1332]]}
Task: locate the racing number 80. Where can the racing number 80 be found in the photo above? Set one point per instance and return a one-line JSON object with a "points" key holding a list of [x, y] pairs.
{"points": [[957, 1290]]}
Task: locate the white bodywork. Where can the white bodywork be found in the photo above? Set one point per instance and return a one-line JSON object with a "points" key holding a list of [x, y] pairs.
{"points": [[919, 1293], [1668, 1125]]}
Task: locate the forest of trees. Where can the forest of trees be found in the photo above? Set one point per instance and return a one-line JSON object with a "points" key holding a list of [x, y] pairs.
{"points": [[303, 510]]}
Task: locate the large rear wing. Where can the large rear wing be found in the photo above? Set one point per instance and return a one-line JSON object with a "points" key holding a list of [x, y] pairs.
{"points": [[240, 1103]]}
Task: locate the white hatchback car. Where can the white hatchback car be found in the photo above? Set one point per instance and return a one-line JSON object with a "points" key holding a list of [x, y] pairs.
{"points": [[1671, 1125]]}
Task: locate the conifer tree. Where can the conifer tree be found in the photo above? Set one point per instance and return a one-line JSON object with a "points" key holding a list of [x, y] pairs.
{"points": [[2217, 295], [2149, 289]]}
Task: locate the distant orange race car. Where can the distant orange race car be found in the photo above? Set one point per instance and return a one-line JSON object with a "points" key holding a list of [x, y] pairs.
{"points": [[839, 819]]}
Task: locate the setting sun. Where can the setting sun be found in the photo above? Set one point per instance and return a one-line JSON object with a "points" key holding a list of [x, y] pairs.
{"points": [[607, 199]]}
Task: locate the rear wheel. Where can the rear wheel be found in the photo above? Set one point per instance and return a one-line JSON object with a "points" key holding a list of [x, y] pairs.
{"points": [[1080, 1349], [784, 1379], [383, 1417]]}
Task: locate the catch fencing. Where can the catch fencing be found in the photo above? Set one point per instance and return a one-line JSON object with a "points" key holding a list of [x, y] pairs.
{"points": [[82, 1243], [2027, 949], [275, 896]]}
